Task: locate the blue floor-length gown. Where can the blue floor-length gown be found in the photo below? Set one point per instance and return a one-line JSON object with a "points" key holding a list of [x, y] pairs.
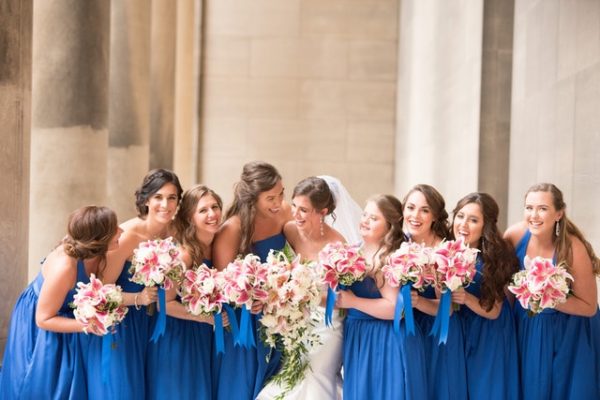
{"points": [[490, 349], [446, 370], [559, 354], [241, 373], [378, 363], [126, 374], [179, 363], [40, 364]]}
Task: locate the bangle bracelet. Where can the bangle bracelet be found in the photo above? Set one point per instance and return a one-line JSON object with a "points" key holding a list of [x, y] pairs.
{"points": [[135, 302]]}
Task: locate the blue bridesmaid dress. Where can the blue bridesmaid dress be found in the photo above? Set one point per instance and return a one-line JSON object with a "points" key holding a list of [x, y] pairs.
{"points": [[40, 364], [559, 354], [446, 370], [378, 363], [241, 373], [490, 349], [127, 362], [179, 363]]}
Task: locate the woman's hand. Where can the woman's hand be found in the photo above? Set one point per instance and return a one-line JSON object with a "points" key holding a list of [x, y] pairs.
{"points": [[415, 298], [459, 296], [147, 296], [257, 307], [344, 299]]}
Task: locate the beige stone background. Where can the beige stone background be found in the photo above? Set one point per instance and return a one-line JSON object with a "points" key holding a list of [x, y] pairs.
{"points": [[466, 95]]}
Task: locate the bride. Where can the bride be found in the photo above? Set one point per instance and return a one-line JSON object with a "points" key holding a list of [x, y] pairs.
{"points": [[313, 200]]}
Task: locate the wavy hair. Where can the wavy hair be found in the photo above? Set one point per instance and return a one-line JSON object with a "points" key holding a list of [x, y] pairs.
{"points": [[152, 182], [391, 209], [256, 177], [185, 230], [562, 242], [499, 259]]}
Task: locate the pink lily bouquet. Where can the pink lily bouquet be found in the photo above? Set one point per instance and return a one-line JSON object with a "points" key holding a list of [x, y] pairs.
{"points": [[455, 264], [290, 314], [340, 264], [455, 269], [408, 267], [200, 291], [157, 263], [98, 305], [541, 284], [244, 281]]}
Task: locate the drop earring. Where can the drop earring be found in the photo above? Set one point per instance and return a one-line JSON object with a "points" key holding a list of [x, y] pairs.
{"points": [[557, 228]]}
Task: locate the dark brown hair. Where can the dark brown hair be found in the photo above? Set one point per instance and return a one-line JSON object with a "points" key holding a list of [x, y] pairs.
{"points": [[438, 208], [152, 182], [318, 192]]}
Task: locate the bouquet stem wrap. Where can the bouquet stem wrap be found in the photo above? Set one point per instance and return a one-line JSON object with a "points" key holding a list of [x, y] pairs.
{"points": [[404, 304], [442, 319], [161, 321]]}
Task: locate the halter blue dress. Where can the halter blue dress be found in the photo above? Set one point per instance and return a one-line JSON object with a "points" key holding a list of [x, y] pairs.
{"points": [[378, 363], [490, 349], [126, 373], [559, 354], [446, 370], [179, 363], [241, 373], [40, 364]]}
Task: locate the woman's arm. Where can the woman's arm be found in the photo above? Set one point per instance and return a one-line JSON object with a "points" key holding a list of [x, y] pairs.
{"points": [[382, 308], [424, 304], [226, 243], [583, 301], [461, 296]]}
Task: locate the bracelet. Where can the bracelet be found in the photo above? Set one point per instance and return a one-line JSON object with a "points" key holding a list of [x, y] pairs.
{"points": [[135, 302]]}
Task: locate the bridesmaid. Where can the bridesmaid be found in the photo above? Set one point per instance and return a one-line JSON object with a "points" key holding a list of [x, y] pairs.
{"points": [[312, 201], [486, 316], [44, 356], [156, 202], [378, 363], [426, 222], [559, 348], [254, 224], [179, 363]]}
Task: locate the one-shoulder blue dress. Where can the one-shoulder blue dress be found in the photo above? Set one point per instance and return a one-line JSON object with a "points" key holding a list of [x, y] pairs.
{"points": [[40, 364], [490, 349], [378, 363], [241, 373], [179, 363], [559, 354]]}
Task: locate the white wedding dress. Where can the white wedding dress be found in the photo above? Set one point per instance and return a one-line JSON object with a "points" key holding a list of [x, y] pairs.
{"points": [[322, 379]]}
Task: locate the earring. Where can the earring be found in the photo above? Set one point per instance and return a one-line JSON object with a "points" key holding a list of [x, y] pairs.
{"points": [[557, 228], [321, 227]]}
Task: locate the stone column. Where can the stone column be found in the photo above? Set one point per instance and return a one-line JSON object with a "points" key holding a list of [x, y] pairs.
{"points": [[69, 138], [494, 134], [129, 103], [162, 83], [15, 115], [439, 82], [187, 87]]}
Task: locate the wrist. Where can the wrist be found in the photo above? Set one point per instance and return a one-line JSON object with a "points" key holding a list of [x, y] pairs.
{"points": [[135, 301]]}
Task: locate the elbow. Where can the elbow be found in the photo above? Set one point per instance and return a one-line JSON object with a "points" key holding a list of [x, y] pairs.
{"points": [[590, 311]]}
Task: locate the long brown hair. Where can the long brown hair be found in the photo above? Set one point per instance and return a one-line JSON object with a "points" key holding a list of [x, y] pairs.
{"points": [[499, 260], [391, 209], [90, 230], [185, 230], [438, 208], [566, 228], [257, 177]]}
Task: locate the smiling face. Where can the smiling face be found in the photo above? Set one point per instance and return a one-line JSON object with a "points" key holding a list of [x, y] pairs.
{"points": [[305, 216], [207, 215], [269, 202], [468, 224], [162, 205], [418, 216], [373, 226], [540, 213]]}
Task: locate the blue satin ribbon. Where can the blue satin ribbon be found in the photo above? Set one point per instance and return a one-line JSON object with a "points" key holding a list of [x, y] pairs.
{"points": [[331, 296], [246, 334], [219, 341], [161, 321], [107, 341], [235, 331], [404, 304], [442, 319]]}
